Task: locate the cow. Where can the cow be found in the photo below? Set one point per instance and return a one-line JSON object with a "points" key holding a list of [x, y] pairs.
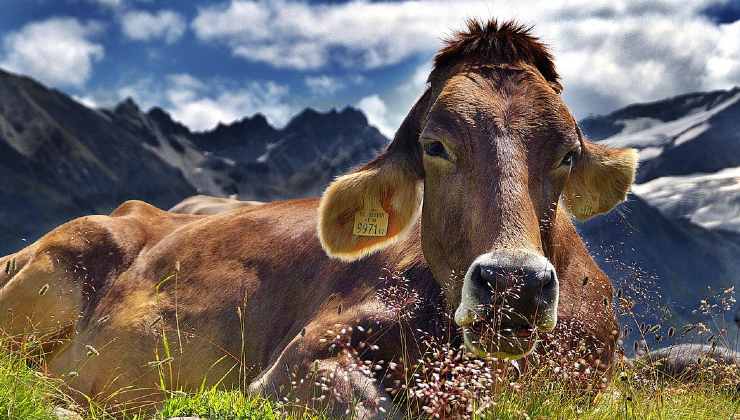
{"points": [[461, 229]]}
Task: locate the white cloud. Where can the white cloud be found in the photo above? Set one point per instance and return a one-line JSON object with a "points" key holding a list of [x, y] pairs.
{"points": [[113, 4], [388, 111], [116, 4], [201, 105], [323, 84], [609, 52], [144, 26], [57, 51], [303, 36], [195, 105], [377, 114]]}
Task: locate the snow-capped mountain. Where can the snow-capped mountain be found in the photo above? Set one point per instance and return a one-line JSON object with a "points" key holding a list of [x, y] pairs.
{"points": [[689, 154], [680, 232], [708, 200]]}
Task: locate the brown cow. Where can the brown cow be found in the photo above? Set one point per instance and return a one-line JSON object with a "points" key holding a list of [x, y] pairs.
{"points": [[256, 295]]}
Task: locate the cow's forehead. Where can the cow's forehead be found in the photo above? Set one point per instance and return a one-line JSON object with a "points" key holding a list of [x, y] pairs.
{"points": [[513, 105]]}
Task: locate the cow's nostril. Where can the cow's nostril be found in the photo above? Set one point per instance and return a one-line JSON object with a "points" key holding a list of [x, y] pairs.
{"points": [[487, 276], [548, 279]]}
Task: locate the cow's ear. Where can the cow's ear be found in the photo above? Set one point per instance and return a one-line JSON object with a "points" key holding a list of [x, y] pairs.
{"points": [[600, 180], [369, 209], [378, 204]]}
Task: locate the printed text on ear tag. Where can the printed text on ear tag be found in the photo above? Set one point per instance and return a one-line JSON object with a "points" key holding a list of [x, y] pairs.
{"points": [[372, 220]]}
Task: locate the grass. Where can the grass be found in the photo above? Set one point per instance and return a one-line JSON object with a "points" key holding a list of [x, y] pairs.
{"points": [[214, 405], [621, 401], [26, 394]]}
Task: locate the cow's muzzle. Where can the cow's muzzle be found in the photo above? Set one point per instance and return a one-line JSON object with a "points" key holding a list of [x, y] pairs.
{"points": [[507, 298]]}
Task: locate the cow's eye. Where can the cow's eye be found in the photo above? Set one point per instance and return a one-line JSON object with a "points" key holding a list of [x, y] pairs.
{"points": [[436, 149], [568, 160]]}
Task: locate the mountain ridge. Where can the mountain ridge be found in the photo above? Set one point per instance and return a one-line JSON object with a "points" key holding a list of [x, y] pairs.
{"points": [[60, 159]]}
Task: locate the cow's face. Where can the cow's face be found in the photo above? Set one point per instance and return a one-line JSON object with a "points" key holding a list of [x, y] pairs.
{"points": [[494, 152], [499, 149]]}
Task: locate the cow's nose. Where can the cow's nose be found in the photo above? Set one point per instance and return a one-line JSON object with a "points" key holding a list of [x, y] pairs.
{"points": [[528, 278], [521, 285]]}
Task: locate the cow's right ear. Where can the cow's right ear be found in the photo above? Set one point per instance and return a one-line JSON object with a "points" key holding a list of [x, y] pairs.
{"points": [[369, 209], [600, 180], [378, 204]]}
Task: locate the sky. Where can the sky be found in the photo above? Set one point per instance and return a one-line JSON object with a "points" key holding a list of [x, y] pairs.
{"points": [[207, 62]]}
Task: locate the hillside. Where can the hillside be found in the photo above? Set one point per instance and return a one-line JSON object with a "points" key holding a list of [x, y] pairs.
{"points": [[689, 153], [681, 230], [59, 159]]}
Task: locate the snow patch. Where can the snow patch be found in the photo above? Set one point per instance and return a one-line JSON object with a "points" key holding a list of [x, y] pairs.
{"points": [[657, 137], [709, 200]]}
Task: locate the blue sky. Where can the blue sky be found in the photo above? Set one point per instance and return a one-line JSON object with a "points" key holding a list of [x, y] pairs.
{"points": [[211, 61]]}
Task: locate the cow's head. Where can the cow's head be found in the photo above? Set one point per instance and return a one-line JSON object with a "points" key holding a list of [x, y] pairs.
{"points": [[496, 156]]}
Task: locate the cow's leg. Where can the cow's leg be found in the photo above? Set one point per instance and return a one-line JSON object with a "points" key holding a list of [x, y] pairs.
{"points": [[114, 368], [306, 374]]}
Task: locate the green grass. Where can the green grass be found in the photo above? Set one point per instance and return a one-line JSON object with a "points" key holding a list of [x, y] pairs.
{"points": [[26, 394], [216, 405], [621, 402]]}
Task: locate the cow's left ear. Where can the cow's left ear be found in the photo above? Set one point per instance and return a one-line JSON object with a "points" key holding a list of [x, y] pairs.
{"points": [[600, 180]]}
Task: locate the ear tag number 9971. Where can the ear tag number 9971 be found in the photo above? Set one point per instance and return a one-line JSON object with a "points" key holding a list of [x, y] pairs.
{"points": [[372, 220]]}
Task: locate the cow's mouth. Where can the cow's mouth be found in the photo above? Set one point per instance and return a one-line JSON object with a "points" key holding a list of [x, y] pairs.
{"points": [[505, 341]]}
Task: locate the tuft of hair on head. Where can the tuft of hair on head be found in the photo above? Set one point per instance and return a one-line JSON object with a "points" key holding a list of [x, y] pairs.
{"points": [[492, 42]]}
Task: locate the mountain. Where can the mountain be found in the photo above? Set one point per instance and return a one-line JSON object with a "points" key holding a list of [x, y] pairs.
{"points": [[60, 159], [301, 159], [689, 153], [708, 200], [679, 235], [664, 266]]}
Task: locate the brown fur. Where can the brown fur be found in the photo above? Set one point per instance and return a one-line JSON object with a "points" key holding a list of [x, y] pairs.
{"points": [[246, 297], [203, 204], [496, 43]]}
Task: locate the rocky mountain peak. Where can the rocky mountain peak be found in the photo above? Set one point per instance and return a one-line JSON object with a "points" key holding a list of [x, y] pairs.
{"points": [[127, 107], [312, 119], [164, 120], [599, 127], [244, 126]]}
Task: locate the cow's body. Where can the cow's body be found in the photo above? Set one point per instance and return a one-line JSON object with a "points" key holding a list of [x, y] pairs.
{"points": [[143, 271], [461, 230]]}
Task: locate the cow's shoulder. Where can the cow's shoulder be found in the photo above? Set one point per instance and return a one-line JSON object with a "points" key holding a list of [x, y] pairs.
{"points": [[107, 243]]}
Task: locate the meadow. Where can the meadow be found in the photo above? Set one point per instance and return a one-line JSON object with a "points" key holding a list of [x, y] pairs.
{"points": [[444, 382], [634, 392]]}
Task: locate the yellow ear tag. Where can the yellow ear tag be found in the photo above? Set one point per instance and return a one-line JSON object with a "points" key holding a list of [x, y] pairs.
{"points": [[372, 220]]}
